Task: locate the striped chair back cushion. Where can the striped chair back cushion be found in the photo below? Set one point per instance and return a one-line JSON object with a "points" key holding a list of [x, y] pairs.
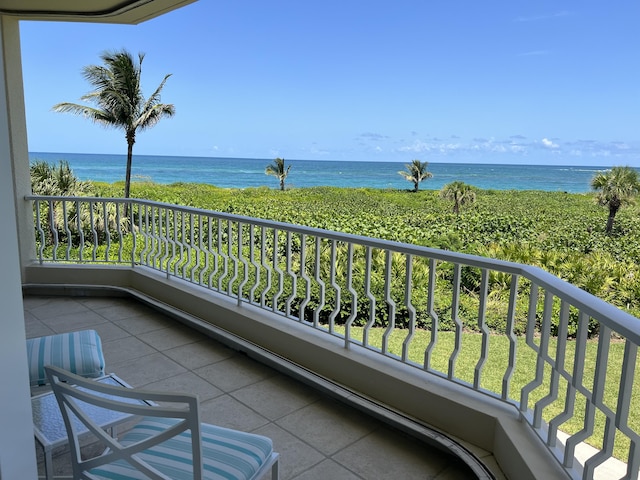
{"points": [[78, 352]]}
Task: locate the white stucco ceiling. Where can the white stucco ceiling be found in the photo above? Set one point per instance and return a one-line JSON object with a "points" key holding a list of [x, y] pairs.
{"points": [[107, 11]]}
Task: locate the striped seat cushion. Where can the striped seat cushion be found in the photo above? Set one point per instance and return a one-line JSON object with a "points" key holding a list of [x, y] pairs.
{"points": [[78, 352], [226, 454]]}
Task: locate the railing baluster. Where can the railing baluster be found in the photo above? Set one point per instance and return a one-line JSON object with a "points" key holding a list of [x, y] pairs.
{"points": [[67, 230], [94, 232], [267, 267], [435, 324], [594, 399], [318, 278], [305, 278], [223, 255], [576, 380], [80, 233], [455, 306], [292, 275], [559, 363], [255, 264], [40, 230], [243, 261], [107, 230], [201, 250], [213, 251], [513, 340], [120, 233], [195, 248], [410, 308], [157, 236], [185, 246], [146, 231], [542, 354], [166, 259], [388, 298], [372, 299], [353, 294], [484, 330], [334, 284], [276, 268]]}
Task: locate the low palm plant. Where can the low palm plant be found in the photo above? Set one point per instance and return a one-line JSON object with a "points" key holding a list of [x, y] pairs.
{"points": [[416, 172], [460, 193], [615, 188], [278, 169]]}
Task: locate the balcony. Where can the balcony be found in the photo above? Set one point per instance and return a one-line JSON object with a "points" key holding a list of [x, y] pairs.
{"points": [[318, 434], [344, 314]]}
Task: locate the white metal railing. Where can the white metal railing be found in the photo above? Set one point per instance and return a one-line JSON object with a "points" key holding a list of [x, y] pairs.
{"points": [[563, 357]]}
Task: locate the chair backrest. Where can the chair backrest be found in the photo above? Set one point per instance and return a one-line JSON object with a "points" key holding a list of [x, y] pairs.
{"points": [[82, 401]]}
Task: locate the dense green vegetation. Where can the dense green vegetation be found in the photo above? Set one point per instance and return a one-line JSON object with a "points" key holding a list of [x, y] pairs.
{"points": [[559, 232]]}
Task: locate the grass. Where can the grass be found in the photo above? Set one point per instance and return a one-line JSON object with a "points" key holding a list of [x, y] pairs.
{"points": [[524, 373]]}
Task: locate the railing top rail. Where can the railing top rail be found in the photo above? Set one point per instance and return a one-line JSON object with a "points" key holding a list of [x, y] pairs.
{"points": [[611, 316]]}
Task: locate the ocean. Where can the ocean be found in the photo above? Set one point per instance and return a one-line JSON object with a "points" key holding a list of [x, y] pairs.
{"points": [[249, 172]]}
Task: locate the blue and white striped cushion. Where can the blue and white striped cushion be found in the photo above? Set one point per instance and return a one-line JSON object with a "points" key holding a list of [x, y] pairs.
{"points": [[78, 352], [226, 454]]}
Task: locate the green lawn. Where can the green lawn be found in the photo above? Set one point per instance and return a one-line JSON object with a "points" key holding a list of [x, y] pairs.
{"points": [[496, 364]]}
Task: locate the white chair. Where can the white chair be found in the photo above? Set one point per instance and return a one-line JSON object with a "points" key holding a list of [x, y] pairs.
{"points": [[168, 443]]}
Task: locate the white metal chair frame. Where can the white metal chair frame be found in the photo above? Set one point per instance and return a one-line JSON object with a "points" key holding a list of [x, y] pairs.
{"points": [[71, 390]]}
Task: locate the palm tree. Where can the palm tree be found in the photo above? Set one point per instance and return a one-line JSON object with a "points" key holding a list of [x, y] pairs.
{"points": [[415, 172], [277, 169], [119, 100], [58, 180], [460, 193], [615, 187]]}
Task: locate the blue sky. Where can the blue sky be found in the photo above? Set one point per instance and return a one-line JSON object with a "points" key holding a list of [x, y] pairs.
{"points": [[545, 82]]}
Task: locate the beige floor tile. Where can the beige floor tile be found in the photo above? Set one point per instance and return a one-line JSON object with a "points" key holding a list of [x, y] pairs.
{"points": [[125, 349], [327, 425], [199, 354], [235, 372], [145, 370], [227, 412], [187, 382], [71, 322], [386, 453], [276, 397], [48, 308], [142, 323], [328, 469], [123, 309], [35, 328], [296, 456], [171, 337], [109, 331]]}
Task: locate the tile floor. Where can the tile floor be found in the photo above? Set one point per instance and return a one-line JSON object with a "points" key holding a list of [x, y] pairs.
{"points": [[317, 437]]}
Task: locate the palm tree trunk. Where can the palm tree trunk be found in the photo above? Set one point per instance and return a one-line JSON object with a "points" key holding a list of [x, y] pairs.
{"points": [[282, 184], [127, 179], [612, 216]]}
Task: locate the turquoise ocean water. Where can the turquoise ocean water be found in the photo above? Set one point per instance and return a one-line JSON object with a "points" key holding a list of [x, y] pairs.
{"points": [[244, 173]]}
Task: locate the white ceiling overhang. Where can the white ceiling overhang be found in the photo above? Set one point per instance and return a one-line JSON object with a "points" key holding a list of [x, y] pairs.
{"points": [[106, 11]]}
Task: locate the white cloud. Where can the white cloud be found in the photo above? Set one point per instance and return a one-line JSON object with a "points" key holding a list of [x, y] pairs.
{"points": [[533, 53], [549, 143], [430, 147], [537, 18]]}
